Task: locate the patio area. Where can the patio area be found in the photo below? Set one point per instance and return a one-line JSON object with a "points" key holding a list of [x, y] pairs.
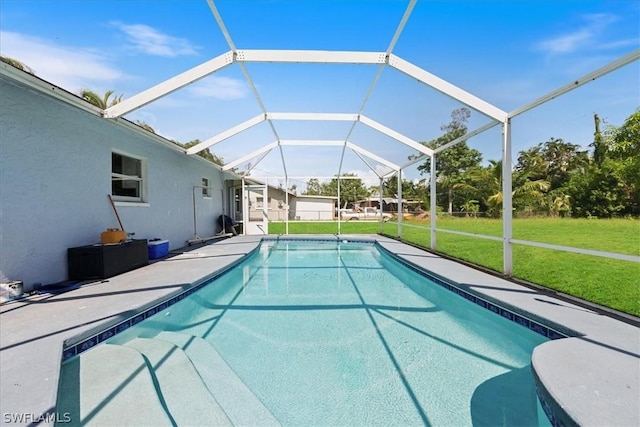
{"points": [[593, 378]]}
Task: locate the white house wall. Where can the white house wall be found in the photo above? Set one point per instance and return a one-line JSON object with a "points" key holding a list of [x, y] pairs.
{"points": [[55, 175]]}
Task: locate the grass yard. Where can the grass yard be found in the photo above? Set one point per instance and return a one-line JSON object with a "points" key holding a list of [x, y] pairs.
{"points": [[604, 281]]}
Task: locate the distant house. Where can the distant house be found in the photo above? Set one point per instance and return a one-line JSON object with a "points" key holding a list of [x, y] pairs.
{"points": [[301, 207], [276, 203], [313, 208]]}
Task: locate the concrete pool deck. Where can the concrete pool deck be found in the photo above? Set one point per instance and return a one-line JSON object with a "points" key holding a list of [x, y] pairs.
{"points": [[594, 377]]}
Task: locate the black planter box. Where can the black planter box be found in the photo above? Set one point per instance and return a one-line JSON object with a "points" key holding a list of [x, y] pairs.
{"points": [[103, 261]]}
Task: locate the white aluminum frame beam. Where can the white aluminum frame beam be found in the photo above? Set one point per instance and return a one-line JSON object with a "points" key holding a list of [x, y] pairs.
{"points": [[381, 67], [366, 162], [162, 89], [446, 88], [391, 174], [372, 156], [223, 28], [313, 116], [612, 66], [449, 144], [395, 135], [257, 162], [227, 134], [313, 142], [466, 136], [245, 72], [401, 25], [249, 156], [306, 177], [310, 56]]}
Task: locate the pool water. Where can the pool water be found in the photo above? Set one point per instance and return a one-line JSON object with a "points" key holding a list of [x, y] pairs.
{"points": [[339, 333]]}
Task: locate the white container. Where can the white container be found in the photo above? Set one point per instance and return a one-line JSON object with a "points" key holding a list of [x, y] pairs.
{"points": [[10, 290]]}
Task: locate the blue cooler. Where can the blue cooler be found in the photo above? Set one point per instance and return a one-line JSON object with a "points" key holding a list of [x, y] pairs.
{"points": [[158, 248]]}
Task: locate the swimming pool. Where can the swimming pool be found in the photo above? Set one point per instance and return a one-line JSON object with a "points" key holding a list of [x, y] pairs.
{"points": [[340, 333]]}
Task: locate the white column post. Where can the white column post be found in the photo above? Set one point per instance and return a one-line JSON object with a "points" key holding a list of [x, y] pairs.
{"points": [[507, 202], [400, 209], [286, 205], [265, 206], [432, 202], [245, 209], [339, 204], [380, 205]]}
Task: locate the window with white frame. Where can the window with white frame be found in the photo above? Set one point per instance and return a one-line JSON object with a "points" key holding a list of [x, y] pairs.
{"points": [[206, 191], [128, 177]]}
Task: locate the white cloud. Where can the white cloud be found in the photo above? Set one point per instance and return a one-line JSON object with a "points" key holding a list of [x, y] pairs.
{"points": [[148, 40], [69, 67], [220, 88], [584, 37], [567, 43]]}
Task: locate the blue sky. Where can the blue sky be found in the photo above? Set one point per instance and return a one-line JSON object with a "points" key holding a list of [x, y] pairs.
{"points": [[507, 53]]}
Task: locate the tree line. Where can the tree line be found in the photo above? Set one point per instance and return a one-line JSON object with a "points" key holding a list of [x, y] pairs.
{"points": [[553, 178]]}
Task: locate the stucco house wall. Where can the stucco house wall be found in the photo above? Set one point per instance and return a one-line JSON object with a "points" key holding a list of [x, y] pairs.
{"points": [[55, 175]]}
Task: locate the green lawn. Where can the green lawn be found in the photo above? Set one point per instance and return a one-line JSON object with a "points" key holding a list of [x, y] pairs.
{"points": [[605, 281]]}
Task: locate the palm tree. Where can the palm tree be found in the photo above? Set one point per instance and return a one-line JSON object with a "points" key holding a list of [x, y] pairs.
{"points": [[95, 99], [15, 63], [145, 126], [490, 178], [559, 204], [471, 207]]}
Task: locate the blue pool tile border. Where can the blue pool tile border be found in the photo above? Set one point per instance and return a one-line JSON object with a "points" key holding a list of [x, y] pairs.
{"points": [[94, 339], [508, 314], [75, 349], [555, 414]]}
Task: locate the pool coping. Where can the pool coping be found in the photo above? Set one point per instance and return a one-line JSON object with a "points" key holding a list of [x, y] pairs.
{"points": [[30, 369], [78, 344]]}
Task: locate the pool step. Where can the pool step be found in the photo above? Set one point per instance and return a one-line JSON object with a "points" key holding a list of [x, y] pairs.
{"points": [[239, 403], [186, 396], [105, 386]]}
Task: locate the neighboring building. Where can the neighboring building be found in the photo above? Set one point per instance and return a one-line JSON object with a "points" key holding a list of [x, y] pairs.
{"points": [[59, 162], [314, 208], [276, 203], [301, 207]]}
